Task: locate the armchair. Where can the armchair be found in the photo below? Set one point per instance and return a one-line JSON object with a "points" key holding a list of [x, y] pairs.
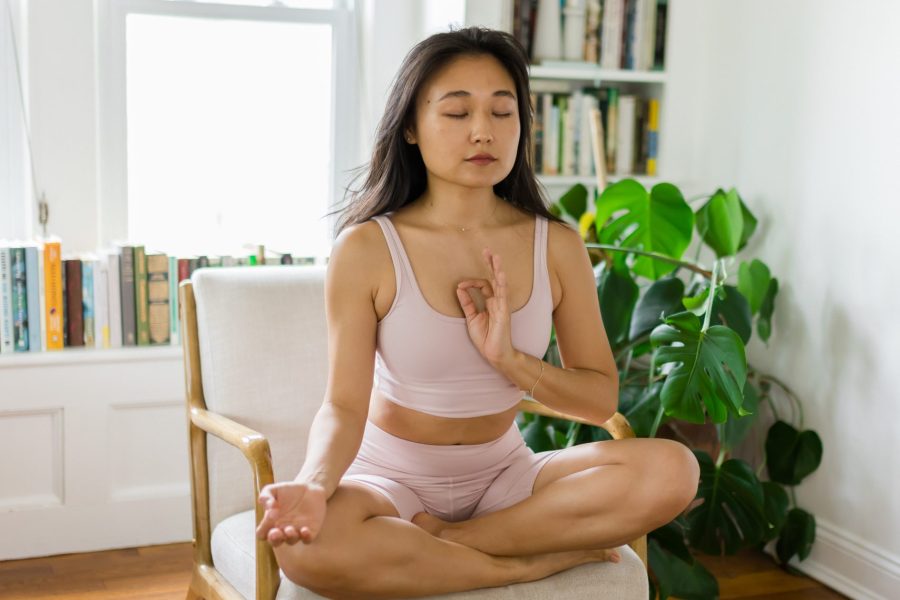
{"points": [[255, 360]]}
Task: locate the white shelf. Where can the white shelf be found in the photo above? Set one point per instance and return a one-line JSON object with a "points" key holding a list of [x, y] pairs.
{"points": [[582, 71], [591, 181], [81, 355]]}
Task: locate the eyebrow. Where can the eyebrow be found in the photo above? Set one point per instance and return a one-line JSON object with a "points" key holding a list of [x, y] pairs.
{"points": [[464, 94]]}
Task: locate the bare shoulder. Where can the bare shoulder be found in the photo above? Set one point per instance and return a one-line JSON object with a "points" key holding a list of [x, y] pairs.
{"points": [[564, 244], [357, 255]]}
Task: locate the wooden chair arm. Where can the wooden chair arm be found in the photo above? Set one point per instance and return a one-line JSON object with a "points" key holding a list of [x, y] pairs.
{"points": [[618, 428], [255, 448]]}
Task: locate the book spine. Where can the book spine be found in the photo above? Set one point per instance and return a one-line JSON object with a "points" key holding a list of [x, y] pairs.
{"points": [[126, 276], [101, 304], [114, 299], [141, 306], [547, 160], [173, 300], [6, 316], [74, 307], [158, 298], [612, 126], [19, 300], [33, 293], [625, 138], [53, 296], [652, 136], [87, 302]]}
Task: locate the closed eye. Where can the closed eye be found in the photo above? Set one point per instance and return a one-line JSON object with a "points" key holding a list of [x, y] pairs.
{"points": [[462, 116]]}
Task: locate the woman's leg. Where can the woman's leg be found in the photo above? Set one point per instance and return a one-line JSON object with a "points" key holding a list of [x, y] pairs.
{"points": [[596, 495], [365, 550]]}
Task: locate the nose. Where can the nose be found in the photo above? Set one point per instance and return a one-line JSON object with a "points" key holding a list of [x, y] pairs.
{"points": [[481, 130]]}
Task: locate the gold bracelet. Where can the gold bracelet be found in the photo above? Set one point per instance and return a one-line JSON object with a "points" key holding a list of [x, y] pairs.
{"points": [[531, 393]]}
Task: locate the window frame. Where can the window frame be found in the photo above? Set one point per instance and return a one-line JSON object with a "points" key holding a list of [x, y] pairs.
{"points": [[112, 119]]}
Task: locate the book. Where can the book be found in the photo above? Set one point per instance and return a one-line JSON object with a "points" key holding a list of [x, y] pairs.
{"points": [[652, 136], [6, 316], [173, 300], [625, 135], [610, 127], [54, 298], [101, 302], [157, 298], [19, 299], [114, 297], [33, 293], [87, 300], [141, 303], [612, 32], [127, 293], [74, 308]]}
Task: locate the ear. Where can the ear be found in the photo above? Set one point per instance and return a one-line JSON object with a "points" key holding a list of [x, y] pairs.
{"points": [[409, 136]]}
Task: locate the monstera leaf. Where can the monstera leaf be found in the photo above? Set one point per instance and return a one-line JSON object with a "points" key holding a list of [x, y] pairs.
{"points": [[735, 430], [574, 201], [660, 221], [732, 514], [724, 223], [678, 577], [661, 299], [617, 293], [710, 369], [790, 454], [764, 322], [797, 535], [753, 282], [731, 309]]}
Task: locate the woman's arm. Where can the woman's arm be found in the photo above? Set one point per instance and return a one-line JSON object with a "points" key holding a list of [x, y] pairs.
{"points": [[350, 286], [588, 384]]}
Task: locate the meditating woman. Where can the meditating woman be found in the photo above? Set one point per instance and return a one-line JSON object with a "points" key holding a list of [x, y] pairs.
{"points": [[446, 276]]}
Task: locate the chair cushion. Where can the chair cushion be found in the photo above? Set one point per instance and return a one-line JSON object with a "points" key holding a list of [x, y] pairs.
{"points": [[233, 551]]}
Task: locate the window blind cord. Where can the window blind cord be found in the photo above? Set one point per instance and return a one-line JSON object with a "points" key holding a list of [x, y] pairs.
{"points": [[42, 206]]}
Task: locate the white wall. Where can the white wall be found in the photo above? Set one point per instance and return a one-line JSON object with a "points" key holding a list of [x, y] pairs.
{"points": [[801, 116]]}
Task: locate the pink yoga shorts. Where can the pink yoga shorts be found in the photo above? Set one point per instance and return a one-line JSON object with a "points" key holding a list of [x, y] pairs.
{"points": [[451, 482]]}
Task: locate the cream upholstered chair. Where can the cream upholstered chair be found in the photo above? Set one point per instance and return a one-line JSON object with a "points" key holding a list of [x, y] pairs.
{"points": [[255, 357]]}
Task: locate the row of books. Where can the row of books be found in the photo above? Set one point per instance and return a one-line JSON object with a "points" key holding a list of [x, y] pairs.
{"points": [[121, 296], [618, 34], [561, 140]]}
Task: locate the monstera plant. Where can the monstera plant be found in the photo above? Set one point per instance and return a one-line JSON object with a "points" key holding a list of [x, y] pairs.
{"points": [[679, 331]]}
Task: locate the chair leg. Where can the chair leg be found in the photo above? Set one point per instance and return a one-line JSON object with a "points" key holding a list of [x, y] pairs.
{"points": [[192, 595]]}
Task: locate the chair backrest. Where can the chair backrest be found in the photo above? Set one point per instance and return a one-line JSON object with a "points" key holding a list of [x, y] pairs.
{"points": [[264, 362]]}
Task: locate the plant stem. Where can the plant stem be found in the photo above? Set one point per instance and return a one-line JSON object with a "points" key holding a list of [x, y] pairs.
{"points": [[631, 346], [713, 284], [656, 255], [794, 399], [657, 420], [721, 458]]}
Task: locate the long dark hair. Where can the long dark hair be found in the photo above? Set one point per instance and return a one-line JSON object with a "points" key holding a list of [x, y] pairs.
{"points": [[396, 174]]}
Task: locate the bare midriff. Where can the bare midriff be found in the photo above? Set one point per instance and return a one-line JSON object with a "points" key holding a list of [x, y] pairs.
{"points": [[423, 428]]}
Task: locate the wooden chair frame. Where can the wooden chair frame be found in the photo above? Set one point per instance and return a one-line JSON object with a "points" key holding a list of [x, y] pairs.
{"points": [[206, 581]]}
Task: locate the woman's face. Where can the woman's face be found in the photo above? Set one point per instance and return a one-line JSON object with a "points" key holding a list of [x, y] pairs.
{"points": [[466, 108]]}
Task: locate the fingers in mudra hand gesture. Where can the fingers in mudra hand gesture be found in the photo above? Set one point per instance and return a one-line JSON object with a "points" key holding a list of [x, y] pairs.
{"points": [[294, 512], [489, 329]]}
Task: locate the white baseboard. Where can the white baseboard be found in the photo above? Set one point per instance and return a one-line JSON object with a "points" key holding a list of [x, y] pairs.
{"points": [[845, 562]]}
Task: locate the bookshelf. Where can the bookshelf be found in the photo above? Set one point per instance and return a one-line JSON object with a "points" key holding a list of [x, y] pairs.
{"points": [[563, 78]]}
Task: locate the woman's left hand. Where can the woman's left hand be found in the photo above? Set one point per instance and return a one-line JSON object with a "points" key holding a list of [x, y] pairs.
{"points": [[490, 329]]}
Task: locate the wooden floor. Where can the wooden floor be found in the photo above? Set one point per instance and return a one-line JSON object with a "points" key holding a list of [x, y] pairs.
{"points": [[162, 573]]}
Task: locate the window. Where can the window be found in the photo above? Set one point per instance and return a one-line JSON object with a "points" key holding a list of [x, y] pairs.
{"points": [[228, 133]]}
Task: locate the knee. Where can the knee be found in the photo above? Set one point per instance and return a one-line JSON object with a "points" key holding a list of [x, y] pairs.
{"points": [[678, 474]]}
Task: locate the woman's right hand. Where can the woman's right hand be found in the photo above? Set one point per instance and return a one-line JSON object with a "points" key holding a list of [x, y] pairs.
{"points": [[294, 512]]}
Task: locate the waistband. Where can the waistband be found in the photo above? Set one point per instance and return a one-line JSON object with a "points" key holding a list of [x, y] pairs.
{"points": [[387, 450]]}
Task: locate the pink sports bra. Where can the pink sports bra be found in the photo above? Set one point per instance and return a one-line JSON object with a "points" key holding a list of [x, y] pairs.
{"points": [[424, 359]]}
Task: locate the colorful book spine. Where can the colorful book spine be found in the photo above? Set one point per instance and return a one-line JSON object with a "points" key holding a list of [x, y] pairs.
{"points": [[6, 316], [101, 304], [19, 300], [653, 136], [74, 303], [114, 299], [158, 298], [87, 302], [53, 295], [612, 126], [33, 293], [141, 304]]}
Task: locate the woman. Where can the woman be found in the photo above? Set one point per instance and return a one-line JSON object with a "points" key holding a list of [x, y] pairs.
{"points": [[444, 280]]}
